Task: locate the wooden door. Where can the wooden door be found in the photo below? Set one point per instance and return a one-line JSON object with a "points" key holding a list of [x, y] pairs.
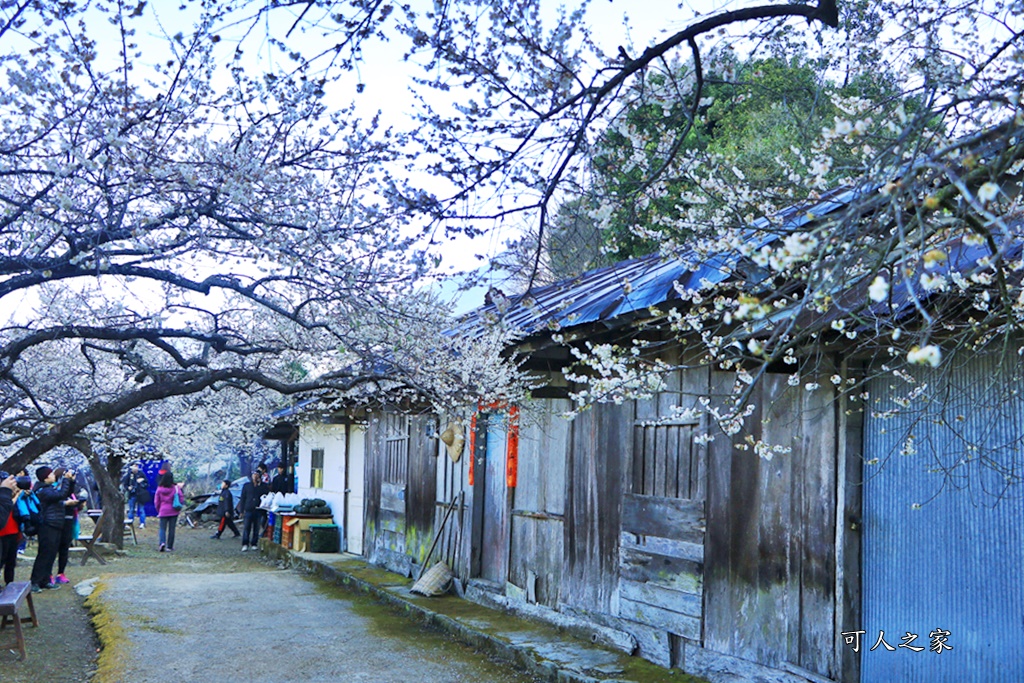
{"points": [[395, 436], [771, 525], [661, 581], [354, 496], [494, 533]]}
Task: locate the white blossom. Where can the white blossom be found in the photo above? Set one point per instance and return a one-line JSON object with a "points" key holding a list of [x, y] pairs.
{"points": [[988, 192], [926, 355], [879, 289]]}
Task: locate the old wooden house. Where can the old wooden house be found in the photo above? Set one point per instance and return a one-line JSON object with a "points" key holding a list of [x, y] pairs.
{"points": [[822, 563], [621, 521]]}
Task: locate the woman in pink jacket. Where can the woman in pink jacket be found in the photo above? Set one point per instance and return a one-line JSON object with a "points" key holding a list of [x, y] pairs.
{"points": [[163, 501]]}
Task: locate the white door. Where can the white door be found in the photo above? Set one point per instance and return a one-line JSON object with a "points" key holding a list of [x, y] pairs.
{"points": [[354, 512]]}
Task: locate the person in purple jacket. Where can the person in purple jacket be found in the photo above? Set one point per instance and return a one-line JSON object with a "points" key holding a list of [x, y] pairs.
{"points": [[163, 500]]}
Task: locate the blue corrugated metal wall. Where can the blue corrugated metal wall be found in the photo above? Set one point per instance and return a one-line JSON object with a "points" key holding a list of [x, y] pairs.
{"points": [[957, 562]]}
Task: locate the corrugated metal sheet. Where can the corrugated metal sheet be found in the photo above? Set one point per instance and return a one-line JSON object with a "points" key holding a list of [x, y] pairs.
{"points": [[962, 259], [294, 409], [957, 563], [603, 294]]}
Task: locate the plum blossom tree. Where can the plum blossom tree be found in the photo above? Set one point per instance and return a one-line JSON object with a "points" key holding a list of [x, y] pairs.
{"points": [[177, 220]]}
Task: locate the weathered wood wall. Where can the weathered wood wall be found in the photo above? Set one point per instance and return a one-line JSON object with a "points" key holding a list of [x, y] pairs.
{"points": [[494, 498], [535, 560], [387, 461], [770, 548], [712, 557], [451, 484], [663, 521], [421, 487], [401, 476], [372, 472], [850, 489], [601, 441]]}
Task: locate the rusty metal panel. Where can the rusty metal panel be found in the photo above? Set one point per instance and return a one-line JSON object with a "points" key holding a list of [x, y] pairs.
{"points": [[602, 294], [956, 562]]}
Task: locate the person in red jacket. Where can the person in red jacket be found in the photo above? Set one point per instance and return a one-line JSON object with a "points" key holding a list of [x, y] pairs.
{"points": [[10, 532]]}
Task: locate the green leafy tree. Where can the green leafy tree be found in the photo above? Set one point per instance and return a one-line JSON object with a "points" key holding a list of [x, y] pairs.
{"points": [[759, 118]]}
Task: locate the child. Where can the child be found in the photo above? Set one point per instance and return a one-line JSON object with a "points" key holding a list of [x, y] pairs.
{"points": [[226, 510]]}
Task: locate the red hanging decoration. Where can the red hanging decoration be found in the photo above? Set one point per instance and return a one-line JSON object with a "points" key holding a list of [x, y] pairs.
{"points": [[512, 460], [472, 448]]}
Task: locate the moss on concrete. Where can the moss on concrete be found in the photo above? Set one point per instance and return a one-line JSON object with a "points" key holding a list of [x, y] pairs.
{"points": [[495, 633], [111, 633]]}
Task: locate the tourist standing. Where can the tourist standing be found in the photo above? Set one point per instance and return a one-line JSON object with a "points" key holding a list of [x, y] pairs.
{"points": [[51, 494], [68, 533], [26, 509], [280, 482], [9, 529], [250, 503], [166, 493], [136, 488]]}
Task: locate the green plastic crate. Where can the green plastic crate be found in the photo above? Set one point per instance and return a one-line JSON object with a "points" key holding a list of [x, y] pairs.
{"points": [[324, 538]]}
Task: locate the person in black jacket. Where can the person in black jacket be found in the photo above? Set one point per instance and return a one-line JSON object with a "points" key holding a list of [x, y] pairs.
{"points": [[250, 503], [136, 487], [280, 481], [226, 510], [52, 495]]}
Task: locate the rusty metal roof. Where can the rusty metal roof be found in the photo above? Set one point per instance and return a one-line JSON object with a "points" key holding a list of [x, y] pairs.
{"points": [[637, 284]]}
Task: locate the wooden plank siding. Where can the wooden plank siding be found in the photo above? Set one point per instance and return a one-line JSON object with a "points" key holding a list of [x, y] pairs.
{"points": [[661, 570], [421, 486], [601, 443], [451, 483], [850, 488], [371, 491], [491, 489], [386, 474], [711, 557], [770, 555], [535, 560]]}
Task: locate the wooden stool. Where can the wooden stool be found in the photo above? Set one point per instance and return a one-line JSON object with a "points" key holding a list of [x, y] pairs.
{"points": [[129, 525], [88, 542], [10, 600]]}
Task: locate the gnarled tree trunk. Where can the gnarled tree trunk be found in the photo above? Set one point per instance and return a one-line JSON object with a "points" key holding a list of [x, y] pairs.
{"points": [[108, 478]]}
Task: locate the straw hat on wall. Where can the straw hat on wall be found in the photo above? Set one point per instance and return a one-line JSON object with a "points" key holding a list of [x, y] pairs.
{"points": [[453, 440]]}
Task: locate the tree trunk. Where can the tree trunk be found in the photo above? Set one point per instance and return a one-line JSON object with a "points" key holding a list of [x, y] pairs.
{"points": [[108, 478], [113, 500]]}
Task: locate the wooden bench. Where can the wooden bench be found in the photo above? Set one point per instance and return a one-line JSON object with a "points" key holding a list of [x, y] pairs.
{"points": [[13, 595]]}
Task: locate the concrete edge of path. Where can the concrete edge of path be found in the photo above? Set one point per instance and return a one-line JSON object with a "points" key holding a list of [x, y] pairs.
{"points": [[109, 628], [538, 649]]}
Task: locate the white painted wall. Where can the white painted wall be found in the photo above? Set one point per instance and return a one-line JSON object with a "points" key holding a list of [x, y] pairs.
{"points": [[331, 438]]}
